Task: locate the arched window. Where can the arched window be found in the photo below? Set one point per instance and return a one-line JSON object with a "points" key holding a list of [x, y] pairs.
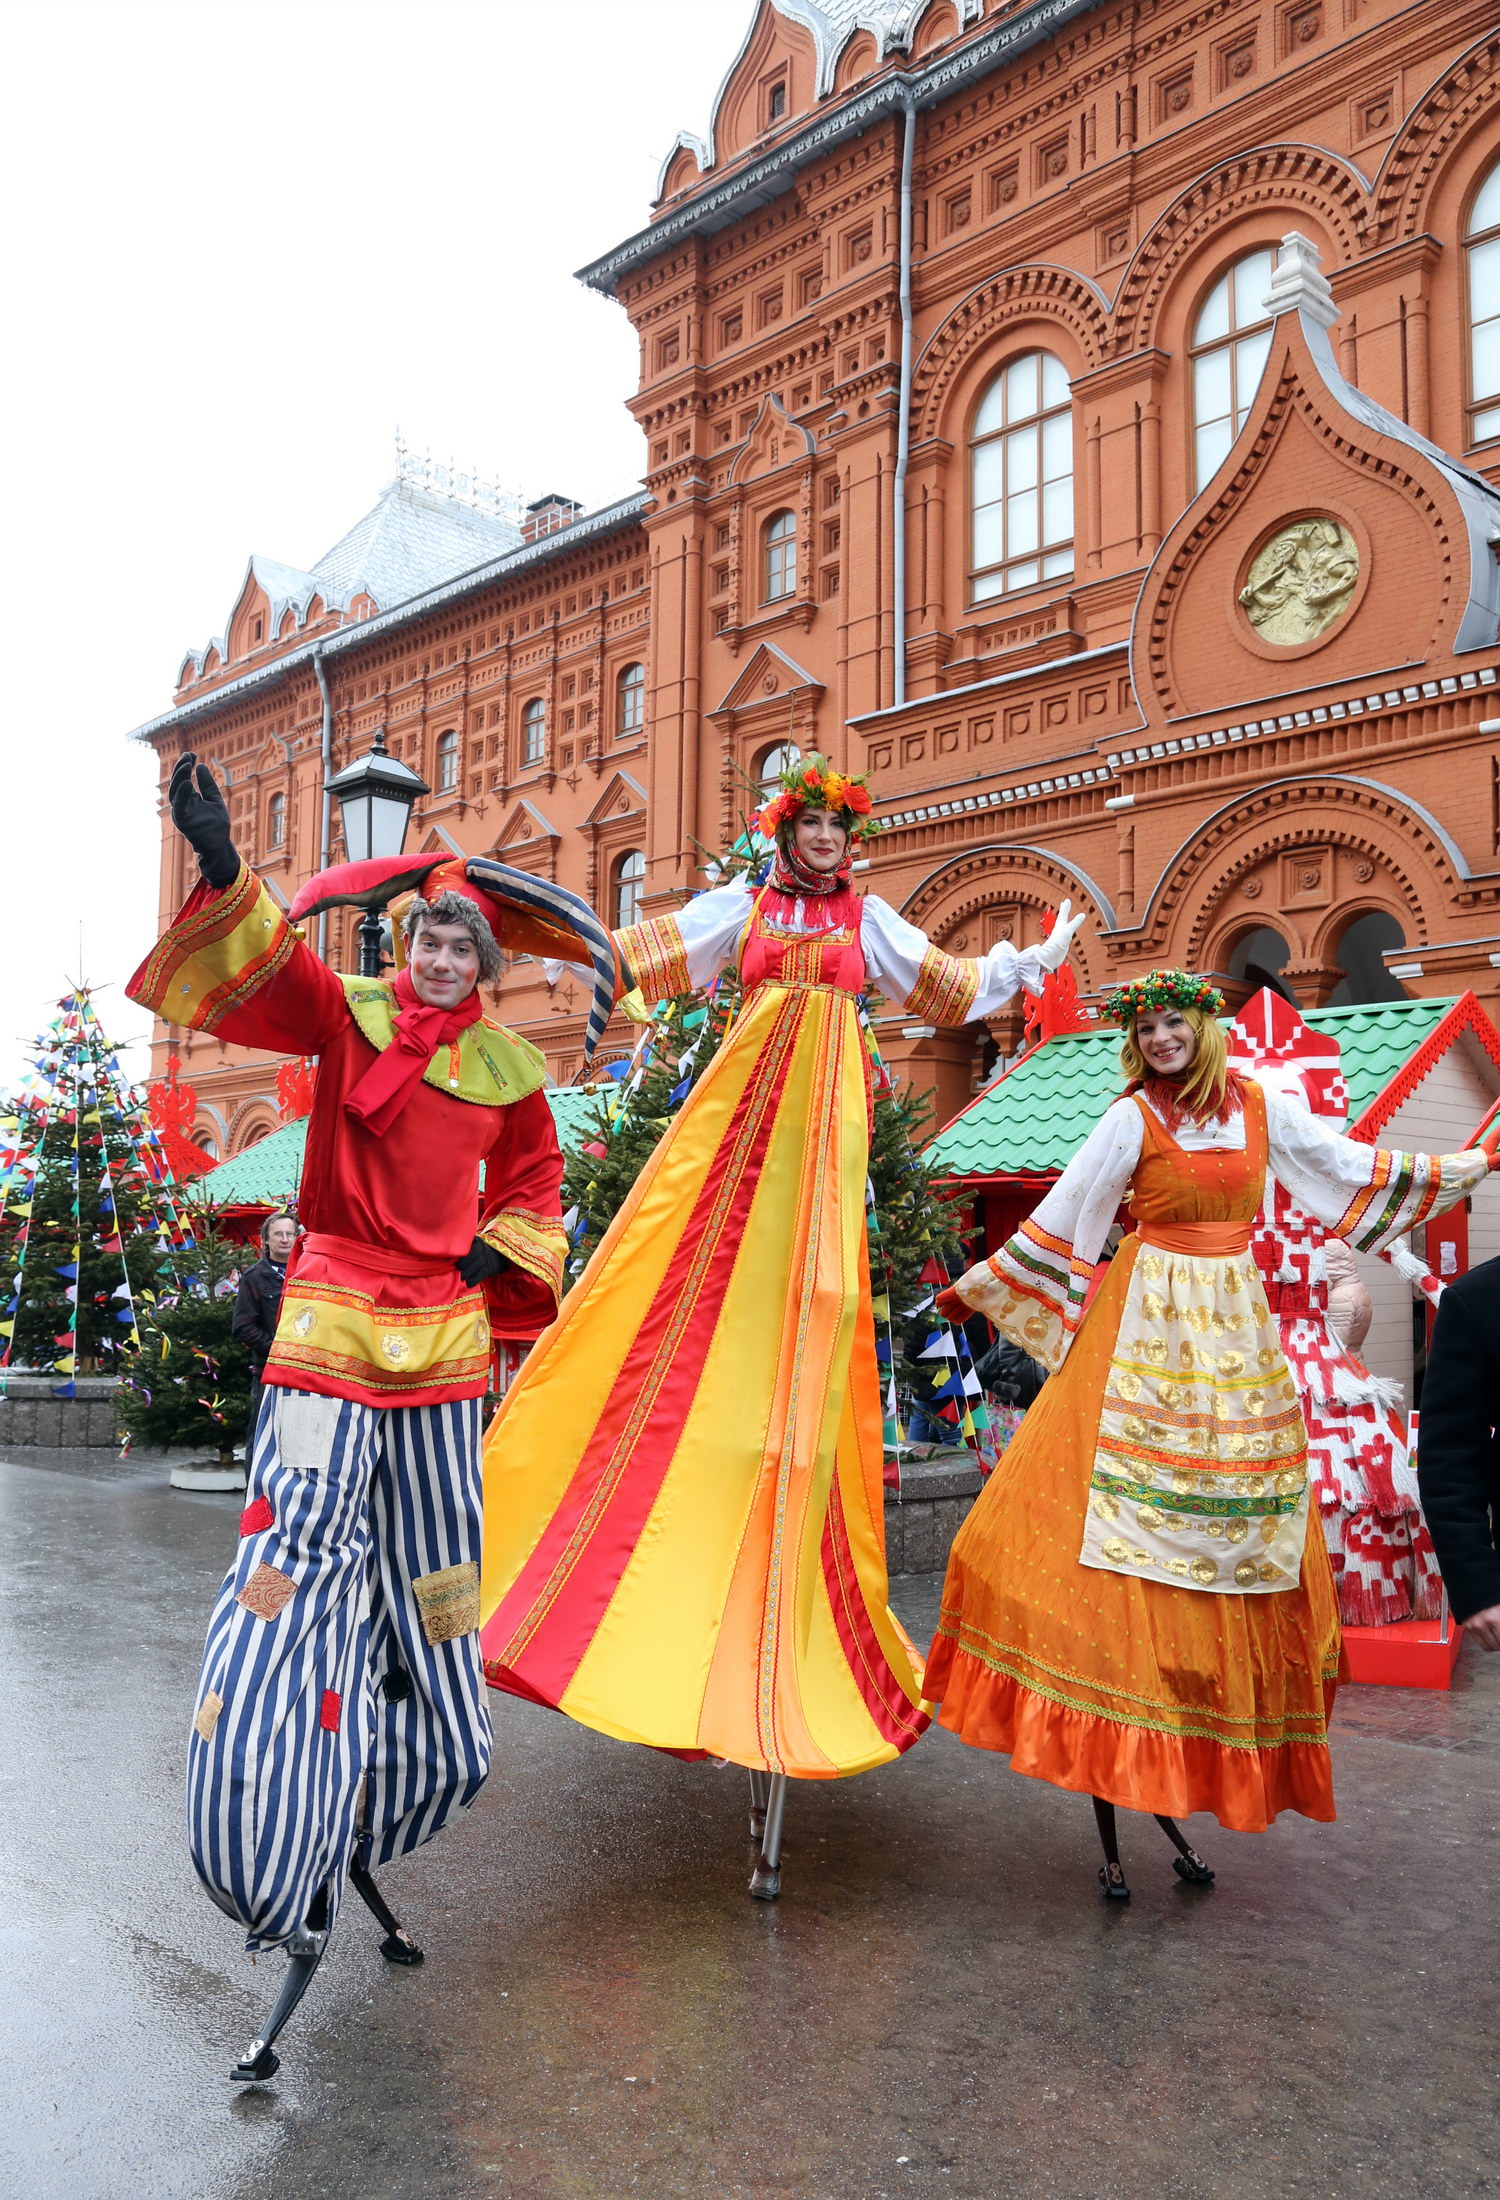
{"points": [[1022, 475], [1361, 958], [534, 731], [630, 694], [447, 762], [781, 556], [772, 764], [276, 821], [628, 883], [1231, 337], [1483, 256]]}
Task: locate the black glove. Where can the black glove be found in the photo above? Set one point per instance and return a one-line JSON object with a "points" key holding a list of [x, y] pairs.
{"points": [[200, 815], [480, 1261]]}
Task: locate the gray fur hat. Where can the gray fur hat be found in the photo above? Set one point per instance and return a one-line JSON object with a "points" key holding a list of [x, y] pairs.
{"points": [[451, 908]]}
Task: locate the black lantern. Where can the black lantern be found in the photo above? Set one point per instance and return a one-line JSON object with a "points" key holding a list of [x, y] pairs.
{"points": [[376, 796]]}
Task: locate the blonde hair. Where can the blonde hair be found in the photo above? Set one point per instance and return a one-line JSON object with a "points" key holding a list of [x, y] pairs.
{"points": [[1205, 1092]]}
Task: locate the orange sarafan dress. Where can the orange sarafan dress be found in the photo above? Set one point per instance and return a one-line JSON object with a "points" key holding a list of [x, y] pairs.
{"points": [[1134, 1608], [684, 1513]]}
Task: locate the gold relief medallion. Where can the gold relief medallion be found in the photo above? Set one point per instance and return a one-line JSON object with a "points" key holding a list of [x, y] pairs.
{"points": [[1153, 1267], [1129, 1387], [1245, 1573], [1268, 1572], [1147, 1517], [1117, 1550], [1153, 1307], [394, 1346], [1267, 1357], [1289, 1482], [306, 1322], [1268, 1528], [1236, 1531], [1156, 1351], [1301, 581], [1204, 1571], [1231, 1363], [1105, 1506]]}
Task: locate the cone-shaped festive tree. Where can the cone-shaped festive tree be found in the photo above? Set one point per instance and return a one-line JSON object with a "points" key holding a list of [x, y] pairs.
{"points": [[88, 1220], [190, 1382]]}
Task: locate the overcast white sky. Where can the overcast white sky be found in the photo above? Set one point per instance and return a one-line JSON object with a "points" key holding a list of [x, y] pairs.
{"points": [[240, 246]]}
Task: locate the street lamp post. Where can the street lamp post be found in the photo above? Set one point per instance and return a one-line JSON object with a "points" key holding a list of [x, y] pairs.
{"points": [[375, 796]]}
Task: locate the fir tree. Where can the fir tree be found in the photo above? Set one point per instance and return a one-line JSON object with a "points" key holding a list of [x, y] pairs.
{"points": [[914, 1223], [189, 1384], [86, 1226]]}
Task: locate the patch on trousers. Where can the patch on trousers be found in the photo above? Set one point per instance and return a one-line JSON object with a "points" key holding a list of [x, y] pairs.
{"points": [[306, 1426], [448, 1601], [257, 1516], [208, 1715], [331, 1712], [266, 1591]]}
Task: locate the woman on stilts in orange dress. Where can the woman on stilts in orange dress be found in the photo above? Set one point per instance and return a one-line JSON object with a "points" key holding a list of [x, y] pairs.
{"points": [[684, 1516], [1134, 1608]]}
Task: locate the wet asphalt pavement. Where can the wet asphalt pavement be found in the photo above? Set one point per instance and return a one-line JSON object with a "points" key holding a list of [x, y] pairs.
{"points": [[939, 2005]]}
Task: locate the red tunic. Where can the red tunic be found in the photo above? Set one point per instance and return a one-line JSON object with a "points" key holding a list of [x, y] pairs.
{"points": [[374, 1308]]}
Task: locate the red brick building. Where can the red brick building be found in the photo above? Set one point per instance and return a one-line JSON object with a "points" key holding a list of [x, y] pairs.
{"points": [[978, 459]]}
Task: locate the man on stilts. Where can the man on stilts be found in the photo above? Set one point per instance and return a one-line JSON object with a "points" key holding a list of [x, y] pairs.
{"points": [[342, 1716]]}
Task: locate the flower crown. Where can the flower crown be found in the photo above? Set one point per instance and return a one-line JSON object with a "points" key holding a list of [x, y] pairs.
{"points": [[1162, 989], [813, 784]]}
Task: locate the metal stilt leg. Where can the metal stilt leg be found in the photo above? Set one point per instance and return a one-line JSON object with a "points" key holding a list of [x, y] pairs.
{"points": [[765, 1880], [304, 1953], [1187, 1863], [398, 1945], [759, 1782]]}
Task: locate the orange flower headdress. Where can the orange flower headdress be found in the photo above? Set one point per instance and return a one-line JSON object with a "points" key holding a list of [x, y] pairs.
{"points": [[813, 784]]}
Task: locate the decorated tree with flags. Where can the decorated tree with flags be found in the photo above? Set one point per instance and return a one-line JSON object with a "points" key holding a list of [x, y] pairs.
{"points": [[188, 1383], [89, 1220]]}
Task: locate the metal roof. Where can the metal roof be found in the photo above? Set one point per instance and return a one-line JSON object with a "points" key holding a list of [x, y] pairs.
{"points": [[607, 521], [1033, 1119], [759, 181]]}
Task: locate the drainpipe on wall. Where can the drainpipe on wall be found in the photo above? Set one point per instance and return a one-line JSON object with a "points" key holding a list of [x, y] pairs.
{"points": [[325, 828], [903, 425]]}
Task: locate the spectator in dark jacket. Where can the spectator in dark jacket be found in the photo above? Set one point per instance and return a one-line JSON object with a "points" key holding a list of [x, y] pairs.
{"points": [[1010, 1374], [258, 1305], [1458, 1461]]}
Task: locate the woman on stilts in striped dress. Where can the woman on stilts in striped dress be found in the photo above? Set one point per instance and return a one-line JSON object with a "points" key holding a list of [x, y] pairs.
{"points": [[684, 1518]]}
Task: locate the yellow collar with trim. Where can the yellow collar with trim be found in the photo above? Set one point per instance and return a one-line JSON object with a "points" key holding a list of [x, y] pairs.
{"points": [[495, 1067]]}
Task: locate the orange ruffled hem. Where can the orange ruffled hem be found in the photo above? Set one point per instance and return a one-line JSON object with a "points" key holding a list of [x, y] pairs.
{"points": [[1140, 1770]]}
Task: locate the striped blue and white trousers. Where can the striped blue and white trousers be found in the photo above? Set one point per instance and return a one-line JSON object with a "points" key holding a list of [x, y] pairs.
{"points": [[341, 1686]]}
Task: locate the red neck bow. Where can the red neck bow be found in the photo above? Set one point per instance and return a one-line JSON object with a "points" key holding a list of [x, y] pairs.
{"points": [[420, 1029]]}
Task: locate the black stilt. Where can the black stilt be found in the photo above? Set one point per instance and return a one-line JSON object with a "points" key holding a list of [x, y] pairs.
{"points": [[1111, 1876], [759, 1781], [304, 1953], [1187, 1863], [398, 1945]]}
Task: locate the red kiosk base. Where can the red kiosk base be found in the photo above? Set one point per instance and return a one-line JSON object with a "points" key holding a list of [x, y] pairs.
{"points": [[1410, 1653]]}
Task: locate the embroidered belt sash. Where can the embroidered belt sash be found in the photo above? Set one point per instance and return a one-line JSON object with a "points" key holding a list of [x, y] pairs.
{"points": [[1216, 1239]]}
